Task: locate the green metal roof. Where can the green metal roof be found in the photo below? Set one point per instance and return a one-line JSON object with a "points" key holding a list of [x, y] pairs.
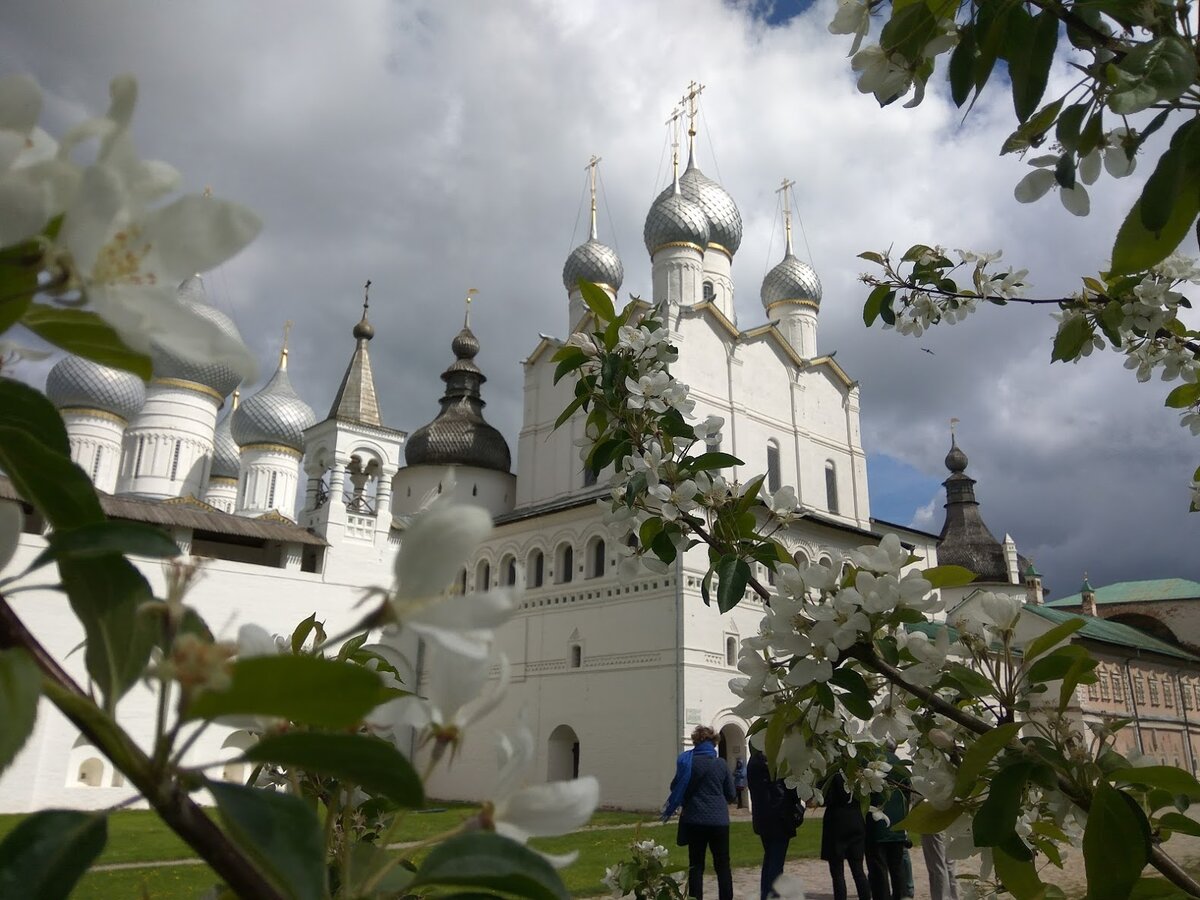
{"points": [[1108, 632], [1138, 592]]}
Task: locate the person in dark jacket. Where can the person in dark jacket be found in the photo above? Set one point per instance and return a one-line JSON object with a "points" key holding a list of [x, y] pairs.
{"points": [[739, 782], [703, 788], [843, 835], [886, 844], [776, 813]]}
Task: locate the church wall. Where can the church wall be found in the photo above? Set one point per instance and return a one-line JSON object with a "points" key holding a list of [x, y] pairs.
{"points": [[175, 433], [228, 595], [415, 485]]}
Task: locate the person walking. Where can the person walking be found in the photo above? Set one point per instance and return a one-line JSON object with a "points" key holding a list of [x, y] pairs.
{"points": [[776, 813], [886, 844], [843, 836], [703, 789], [943, 876], [739, 782]]}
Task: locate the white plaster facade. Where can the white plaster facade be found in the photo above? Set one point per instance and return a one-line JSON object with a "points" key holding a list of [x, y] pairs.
{"points": [[611, 673]]}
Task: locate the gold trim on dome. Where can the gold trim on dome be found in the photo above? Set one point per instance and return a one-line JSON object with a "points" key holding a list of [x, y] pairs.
{"points": [[688, 244], [713, 245], [274, 448], [189, 386], [815, 304], [92, 411], [222, 479]]}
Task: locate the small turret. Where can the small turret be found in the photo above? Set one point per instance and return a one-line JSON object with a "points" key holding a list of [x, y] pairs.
{"points": [[1087, 596], [591, 261], [791, 292]]}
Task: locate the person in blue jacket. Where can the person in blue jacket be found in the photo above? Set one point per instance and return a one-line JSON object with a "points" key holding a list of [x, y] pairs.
{"points": [[703, 789]]}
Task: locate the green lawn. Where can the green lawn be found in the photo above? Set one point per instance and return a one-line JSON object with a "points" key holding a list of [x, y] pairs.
{"points": [[139, 836]]}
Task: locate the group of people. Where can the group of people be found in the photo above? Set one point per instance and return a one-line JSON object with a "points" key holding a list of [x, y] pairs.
{"points": [[876, 853]]}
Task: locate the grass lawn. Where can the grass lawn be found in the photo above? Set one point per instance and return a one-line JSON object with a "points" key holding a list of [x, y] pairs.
{"points": [[139, 836]]}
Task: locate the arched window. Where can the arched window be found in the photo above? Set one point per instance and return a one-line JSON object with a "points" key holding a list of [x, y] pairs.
{"points": [[800, 559], [831, 487], [774, 480], [731, 650], [91, 772], [596, 558], [483, 575], [564, 563], [576, 656], [709, 293], [535, 569], [509, 567]]}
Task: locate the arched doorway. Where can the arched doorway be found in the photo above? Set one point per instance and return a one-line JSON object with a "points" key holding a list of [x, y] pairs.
{"points": [[731, 745], [562, 754]]}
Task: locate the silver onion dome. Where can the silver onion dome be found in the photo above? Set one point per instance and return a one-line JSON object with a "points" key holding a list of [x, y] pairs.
{"points": [[724, 218], [75, 381], [791, 281], [220, 378], [225, 450], [274, 415], [673, 218], [595, 262]]}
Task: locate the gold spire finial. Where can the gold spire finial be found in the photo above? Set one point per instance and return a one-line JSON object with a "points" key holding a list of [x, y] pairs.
{"points": [[673, 123], [283, 353], [237, 397], [693, 93], [786, 189], [591, 167], [471, 292]]}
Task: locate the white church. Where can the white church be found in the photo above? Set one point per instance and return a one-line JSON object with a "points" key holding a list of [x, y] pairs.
{"points": [[296, 513]]}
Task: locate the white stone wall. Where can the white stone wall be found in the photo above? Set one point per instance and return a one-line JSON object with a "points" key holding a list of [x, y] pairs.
{"points": [[268, 479], [168, 446], [95, 437]]}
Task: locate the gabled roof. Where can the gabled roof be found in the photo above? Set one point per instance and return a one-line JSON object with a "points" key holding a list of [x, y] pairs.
{"points": [[1106, 631], [185, 512], [1138, 592]]}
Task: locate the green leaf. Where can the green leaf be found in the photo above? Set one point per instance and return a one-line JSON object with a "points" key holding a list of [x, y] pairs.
{"points": [[20, 688], [948, 576], [1116, 844], [597, 301], [106, 593], [1175, 781], [733, 574], [1029, 48], [977, 756], [1111, 318], [306, 690], [971, 681], [1162, 69], [1180, 823], [85, 334], [713, 460], [925, 818], [570, 410], [872, 256], [1069, 341], [1093, 131], [44, 856], [908, 30], [303, 630], [569, 359], [858, 695], [488, 862], [1163, 185], [1069, 125], [1184, 396], [281, 834], [1017, 874], [996, 820], [1047, 641], [372, 764], [24, 409], [1064, 171], [874, 305], [107, 538], [962, 65]]}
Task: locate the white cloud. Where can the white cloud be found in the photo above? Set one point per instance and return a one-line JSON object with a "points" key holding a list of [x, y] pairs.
{"points": [[433, 147]]}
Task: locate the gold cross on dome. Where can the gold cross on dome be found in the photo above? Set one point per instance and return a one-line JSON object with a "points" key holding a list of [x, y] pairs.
{"points": [[591, 167]]}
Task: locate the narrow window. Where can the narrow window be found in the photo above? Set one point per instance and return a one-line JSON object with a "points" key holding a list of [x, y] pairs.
{"points": [[576, 656], [709, 293], [510, 571], [1153, 691], [731, 649], [1139, 690], [483, 576], [137, 459], [175, 459], [1104, 695], [1118, 687], [566, 563], [598, 558], [462, 581], [535, 571], [96, 463], [831, 488], [271, 491], [773, 477], [1168, 695]]}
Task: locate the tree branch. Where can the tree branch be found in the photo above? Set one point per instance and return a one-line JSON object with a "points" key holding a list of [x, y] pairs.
{"points": [[169, 799]]}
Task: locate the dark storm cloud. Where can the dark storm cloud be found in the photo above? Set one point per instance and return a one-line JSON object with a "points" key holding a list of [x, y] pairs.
{"points": [[436, 147]]}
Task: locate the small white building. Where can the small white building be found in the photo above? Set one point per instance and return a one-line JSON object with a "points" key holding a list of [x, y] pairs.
{"points": [[298, 516]]}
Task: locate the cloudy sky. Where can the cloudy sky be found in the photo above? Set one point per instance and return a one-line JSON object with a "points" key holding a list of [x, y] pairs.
{"points": [[433, 147]]}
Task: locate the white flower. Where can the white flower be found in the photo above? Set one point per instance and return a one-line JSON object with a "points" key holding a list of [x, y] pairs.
{"points": [[888, 556], [437, 545], [539, 810], [1003, 610], [788, 887], [12, 523], [677, 500], [709, 428], [584, 342], [882, 74]]}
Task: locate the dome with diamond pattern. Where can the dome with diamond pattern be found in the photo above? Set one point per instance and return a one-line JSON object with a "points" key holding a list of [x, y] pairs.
{"points": [[724, 218], [78, 382], [674, 219], [226, 456], [219, 378], [791, 281], [595, 262], [275, 415]]}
